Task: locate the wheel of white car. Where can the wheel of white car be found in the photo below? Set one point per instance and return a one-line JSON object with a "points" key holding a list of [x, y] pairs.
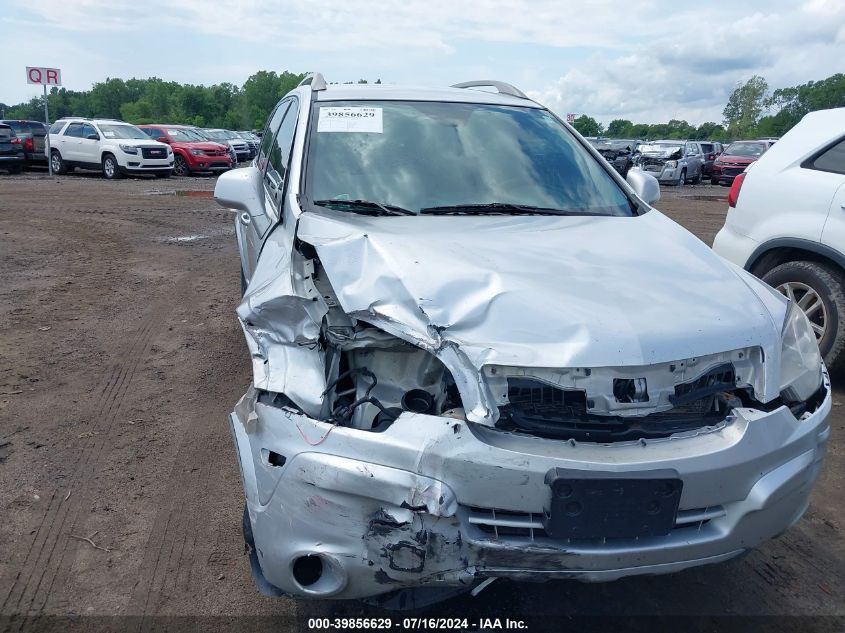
{"points": [[111, 170], [57, 163], [819, 291]]}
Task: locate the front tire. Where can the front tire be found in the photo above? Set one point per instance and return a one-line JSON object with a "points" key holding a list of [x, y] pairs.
{"points": [[697, 179], [180, 167], [682, 178], [819, 291], [111, 170], [57, 163]]}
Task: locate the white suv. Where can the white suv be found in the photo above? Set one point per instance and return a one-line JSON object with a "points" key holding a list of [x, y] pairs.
{"points": [[115, 147], [786, 224]]}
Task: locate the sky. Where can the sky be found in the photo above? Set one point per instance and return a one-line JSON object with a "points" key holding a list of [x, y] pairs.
{"points": [[647, 61]]}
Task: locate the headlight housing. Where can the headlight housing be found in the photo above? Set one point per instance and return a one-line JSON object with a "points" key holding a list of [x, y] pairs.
{"points": [[197, 152], [672, 163], [129, 149], [800, 359]]}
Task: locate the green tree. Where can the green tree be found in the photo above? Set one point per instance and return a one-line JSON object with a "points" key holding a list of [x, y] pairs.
{"points": [[619, 128], [587, 126], [745, 106]]}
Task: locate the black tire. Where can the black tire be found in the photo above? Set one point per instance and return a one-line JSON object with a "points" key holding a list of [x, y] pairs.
{"points": [[180, 166], [697, 179], [59, 167], [111, 168], [682, 179], [14, 170], [714, 181], [828, 285]]}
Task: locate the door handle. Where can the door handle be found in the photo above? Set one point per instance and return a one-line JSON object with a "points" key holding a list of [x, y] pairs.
{"points": [[245, 218]]}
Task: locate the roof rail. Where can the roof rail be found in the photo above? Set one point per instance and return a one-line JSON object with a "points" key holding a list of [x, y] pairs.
{"points": [[502, 87], [315, 80]]}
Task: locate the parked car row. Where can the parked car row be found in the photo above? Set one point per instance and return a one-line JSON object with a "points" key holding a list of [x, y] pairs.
{"points": [[118, 148]]}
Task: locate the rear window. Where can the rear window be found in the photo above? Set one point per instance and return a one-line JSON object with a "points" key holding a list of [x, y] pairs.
{"points": [[26, 127], [832, 159]]}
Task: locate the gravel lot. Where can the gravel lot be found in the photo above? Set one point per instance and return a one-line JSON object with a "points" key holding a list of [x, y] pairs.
{"points": [[120, 357]]}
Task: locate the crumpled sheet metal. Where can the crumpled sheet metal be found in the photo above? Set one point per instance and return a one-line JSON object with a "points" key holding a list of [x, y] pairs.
{"points": [[282, 328], [543, 291]]}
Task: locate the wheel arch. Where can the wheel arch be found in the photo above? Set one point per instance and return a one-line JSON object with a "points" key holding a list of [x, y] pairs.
{"points": [[779, 251]]}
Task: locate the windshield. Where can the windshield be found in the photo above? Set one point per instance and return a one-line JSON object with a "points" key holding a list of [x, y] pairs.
{"points": [[181, 134], [214, 134], [424, 155], [122, 131], [661, 147], [746, 149]]}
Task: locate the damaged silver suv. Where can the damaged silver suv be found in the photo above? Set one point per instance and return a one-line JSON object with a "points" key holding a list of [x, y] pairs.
{"points": [[479, 353]]}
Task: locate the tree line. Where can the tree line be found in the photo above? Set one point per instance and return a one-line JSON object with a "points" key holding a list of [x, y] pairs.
{"points": [[752, 111], [154, 100]]}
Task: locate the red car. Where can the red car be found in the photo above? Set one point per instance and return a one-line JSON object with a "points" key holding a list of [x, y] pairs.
{"points": [[736, 157], [191, 152]]}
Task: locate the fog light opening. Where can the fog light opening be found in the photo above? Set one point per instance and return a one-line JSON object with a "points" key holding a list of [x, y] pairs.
{"points": [[307, 570], [318, 574]]}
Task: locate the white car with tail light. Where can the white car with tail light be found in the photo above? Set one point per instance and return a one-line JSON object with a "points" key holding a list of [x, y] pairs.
{"points": [[478, 352], [786, 224]]}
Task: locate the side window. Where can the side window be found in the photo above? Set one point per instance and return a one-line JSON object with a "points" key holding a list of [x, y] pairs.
{"points": [[74, 129], [279, 159], [88, 130], [832, 159], [273, 124]]}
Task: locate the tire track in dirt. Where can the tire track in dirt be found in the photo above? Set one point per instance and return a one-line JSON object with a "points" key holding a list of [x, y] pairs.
{"points": [[45, 560]]}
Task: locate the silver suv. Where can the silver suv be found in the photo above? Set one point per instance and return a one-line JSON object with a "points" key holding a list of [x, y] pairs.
{"points": [[673, 162], [478, 352]]}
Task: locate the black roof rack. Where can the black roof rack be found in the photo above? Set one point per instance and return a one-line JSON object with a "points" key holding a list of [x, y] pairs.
{"points": [[501, 86], [315, 80]]}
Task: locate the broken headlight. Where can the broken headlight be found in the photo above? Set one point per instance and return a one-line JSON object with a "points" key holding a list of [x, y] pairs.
{"points": [[800, 360], [672, 163]]}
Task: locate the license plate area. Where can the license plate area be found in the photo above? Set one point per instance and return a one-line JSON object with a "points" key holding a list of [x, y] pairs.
{"points": [[603, 505]]}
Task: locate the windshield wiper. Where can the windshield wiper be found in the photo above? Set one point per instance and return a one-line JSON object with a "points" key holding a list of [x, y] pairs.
{"points": [[367, 207], [503, 208]]}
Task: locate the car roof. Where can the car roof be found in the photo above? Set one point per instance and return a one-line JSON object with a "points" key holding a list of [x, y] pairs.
{"points": [[383, 92], [815, 131]]}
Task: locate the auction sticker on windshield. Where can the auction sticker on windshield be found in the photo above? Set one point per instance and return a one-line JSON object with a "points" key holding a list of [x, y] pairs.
{"points": [[350, 119]]}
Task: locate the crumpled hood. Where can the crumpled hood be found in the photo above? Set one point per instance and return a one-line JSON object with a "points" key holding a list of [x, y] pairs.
{"points": [[543, 291]]}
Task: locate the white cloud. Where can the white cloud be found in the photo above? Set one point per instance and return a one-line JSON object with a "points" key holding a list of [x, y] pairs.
{"points": [[646, 61], [689, 73]]}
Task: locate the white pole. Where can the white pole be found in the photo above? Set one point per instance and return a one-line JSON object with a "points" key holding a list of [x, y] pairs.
{"points": [[47, 135]]}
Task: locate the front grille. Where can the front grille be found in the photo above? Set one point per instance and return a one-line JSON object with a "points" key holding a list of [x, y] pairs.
{"points": [[732, 171], [505, 525], [154, 152], [544, 410]]}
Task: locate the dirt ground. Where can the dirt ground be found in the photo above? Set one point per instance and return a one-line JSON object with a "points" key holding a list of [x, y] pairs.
{"points": [[120, 358]]}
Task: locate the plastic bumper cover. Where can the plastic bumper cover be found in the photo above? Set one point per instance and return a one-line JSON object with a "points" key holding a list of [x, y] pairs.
{"points": [[411, 506]]}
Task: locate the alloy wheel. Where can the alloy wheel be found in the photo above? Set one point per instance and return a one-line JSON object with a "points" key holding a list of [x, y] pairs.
{"points": [[810, 303], [56, 162], [109, 167]]}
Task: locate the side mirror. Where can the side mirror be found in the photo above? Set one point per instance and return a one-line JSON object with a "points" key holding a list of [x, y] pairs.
{"points": [[163, 139], [644, 185], [93, 137], [241, 190]]}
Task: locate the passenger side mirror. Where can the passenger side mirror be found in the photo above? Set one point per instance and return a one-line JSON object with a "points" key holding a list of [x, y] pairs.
{"points": [[644, 185], [241, 190], [93, 137], [163, 139]]}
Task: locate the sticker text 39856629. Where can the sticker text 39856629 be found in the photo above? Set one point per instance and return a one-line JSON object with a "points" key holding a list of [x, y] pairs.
{"points": [[350, 119]]}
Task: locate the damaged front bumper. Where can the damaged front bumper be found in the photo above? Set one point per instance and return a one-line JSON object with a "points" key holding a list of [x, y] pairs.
{"points": [[434, 501]]}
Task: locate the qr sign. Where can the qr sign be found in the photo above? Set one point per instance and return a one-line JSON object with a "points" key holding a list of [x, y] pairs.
{"points": [[350, 119]]}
